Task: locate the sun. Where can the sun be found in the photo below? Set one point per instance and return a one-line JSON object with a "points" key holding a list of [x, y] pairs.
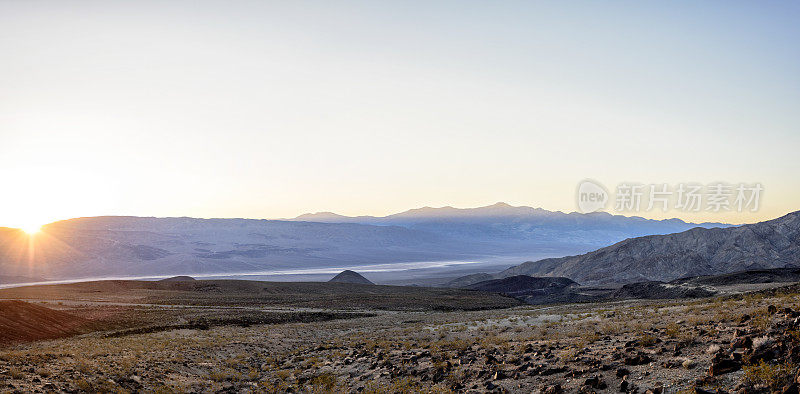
{"points": [[32, 229]]}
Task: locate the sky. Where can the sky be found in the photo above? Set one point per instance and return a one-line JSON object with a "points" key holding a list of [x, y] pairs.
{"points": [[271, 109]]}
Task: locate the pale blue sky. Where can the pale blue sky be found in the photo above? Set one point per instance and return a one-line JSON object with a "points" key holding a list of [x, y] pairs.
{"points": [[272, 109]]}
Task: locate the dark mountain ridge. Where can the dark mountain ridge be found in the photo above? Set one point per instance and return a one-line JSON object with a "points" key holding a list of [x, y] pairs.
{"points": [[521, 284]]}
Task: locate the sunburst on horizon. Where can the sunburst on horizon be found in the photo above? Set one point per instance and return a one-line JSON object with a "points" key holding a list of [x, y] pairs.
{"points": [[31, 229]]}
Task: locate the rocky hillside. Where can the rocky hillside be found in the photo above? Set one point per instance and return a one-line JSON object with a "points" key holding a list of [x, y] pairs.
{"points": [[699, 251], [22, 321]]}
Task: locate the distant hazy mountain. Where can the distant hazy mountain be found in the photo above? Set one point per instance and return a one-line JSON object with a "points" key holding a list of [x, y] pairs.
{"points": [[113, 246], [19, 279], [125, 246], [520, 228], [699, 251]]}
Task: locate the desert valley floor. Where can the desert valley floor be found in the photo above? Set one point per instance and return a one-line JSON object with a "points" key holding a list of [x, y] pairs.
{"points": [[233, 336]]}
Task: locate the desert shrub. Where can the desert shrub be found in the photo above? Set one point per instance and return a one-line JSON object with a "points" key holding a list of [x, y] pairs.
{"points": [[457, 344], [610, 328], [15, 373], [253, 375], [761, 342], [84, 366], [43, 372], [774, 376], [761, 322], [402, 386], [571, 352], [283, 374], [673, 330], [794, 334], [83, 385], [225, 375], [591, 337], [647, 340], [323, 383], [97, 386]]}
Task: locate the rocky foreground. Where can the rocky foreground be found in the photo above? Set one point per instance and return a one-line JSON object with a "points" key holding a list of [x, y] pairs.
{"points": [[748, 343]]}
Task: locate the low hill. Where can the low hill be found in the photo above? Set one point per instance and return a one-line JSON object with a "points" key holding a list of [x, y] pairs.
{"points": [[536, 291], [661, 290], [776, 275], [348, 276], [181, 278], [22, 322], [521, 284]]}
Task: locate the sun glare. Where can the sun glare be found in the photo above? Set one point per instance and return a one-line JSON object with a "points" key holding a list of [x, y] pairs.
{"points": [[32, 229]]}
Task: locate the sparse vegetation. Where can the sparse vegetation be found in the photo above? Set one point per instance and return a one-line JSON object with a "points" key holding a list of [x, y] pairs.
{"points": [[520, 349], [773, 376]]}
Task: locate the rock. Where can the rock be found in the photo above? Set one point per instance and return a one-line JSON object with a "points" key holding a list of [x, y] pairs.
{"points": [[794, 354], [745, 318], [723, 366], [622, 372], [772, 310], [789, 389], [704, 381], [586, 390], [595, 382], [766, 354], [638, 359], [554, 389], [552, 370], [742, 343]]}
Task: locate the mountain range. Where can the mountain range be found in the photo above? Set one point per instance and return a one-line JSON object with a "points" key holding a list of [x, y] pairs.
{"points": [[695, 252], [142, 246], [502, 221]]}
